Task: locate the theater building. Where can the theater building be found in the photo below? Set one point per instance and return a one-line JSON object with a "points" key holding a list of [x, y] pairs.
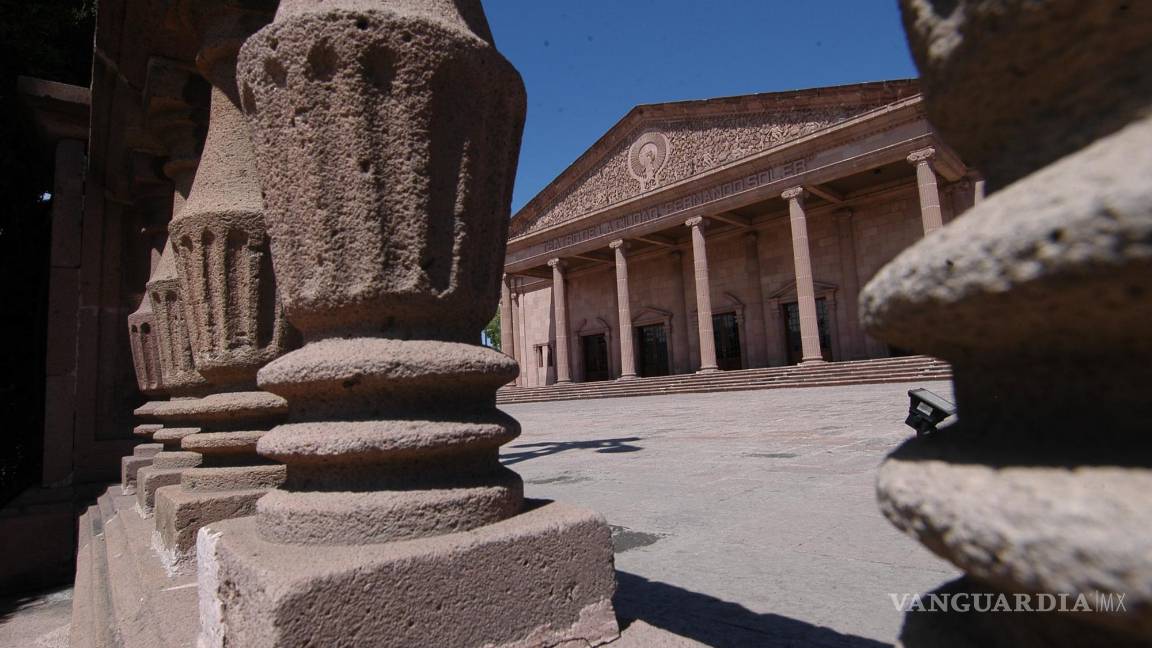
{"points": [[724, 234]]}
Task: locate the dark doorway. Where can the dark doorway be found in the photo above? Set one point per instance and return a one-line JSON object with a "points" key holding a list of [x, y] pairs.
{"points": [[653, 344], [792, 338], [726, 333], [595, 357]]}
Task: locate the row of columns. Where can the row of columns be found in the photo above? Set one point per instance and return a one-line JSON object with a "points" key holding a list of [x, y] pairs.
{"points": [[931, 218]]}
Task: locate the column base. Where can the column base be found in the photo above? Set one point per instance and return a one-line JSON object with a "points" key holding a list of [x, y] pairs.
{"points": [[628, 377], [807, 362], [541, 578], [708, 370]]}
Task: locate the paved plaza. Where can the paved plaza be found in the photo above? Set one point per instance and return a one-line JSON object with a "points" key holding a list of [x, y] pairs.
{"points": [[742, 519]]}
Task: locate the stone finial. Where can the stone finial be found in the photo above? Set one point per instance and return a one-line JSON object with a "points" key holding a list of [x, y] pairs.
{"points": [[393, 267], [387, 134], [793, 193], [922, 155], [1038, 298]]}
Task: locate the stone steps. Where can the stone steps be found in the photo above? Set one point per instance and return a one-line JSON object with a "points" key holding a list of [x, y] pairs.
{"points": [[123, 597], [904, 369]]}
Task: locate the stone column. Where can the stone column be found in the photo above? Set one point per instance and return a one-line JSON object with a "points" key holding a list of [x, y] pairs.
{"points": [[756, 344], [507, 329], [850, 283], [395, 487], [679, 358], [528, 360], [805, 288], [624, 304], [703, 296], [1039, 297], [930, 212], [231, 305], [560, 313]]}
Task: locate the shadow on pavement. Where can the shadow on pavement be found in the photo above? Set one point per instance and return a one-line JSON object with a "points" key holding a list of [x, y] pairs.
{"points": [[543, 449], [720, 623]]}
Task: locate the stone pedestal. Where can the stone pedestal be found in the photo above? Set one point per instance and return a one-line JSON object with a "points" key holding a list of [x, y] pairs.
{"points": [[388, 215], [536, 579], [1038, 296], [624, 307]]}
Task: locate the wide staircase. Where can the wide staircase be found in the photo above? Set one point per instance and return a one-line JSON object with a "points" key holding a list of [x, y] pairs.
{"points": [[858, 372]]}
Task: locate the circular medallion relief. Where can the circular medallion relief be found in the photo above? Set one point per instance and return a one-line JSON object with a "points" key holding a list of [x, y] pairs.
{"points": [[647, 157]]}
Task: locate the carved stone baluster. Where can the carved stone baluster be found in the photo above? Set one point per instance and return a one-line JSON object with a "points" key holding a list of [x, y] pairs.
{"points": [[388, 133], [1039, 296], [230, 303]]}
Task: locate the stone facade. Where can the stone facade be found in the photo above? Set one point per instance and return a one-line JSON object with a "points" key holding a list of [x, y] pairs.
{"points": [[874, 178]]}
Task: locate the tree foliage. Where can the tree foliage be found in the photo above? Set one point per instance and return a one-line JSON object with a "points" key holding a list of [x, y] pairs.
{"points": [[492, 333]]}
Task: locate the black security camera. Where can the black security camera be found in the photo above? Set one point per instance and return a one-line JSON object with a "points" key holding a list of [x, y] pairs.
{"points": [[927, 410]]}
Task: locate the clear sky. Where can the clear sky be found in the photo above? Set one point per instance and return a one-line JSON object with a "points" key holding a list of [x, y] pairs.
{"points": [[586, 63]]}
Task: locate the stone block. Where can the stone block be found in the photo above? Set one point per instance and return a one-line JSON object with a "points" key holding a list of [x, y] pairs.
{"points": [[148, 480], [180, 513], [129, 470], [542, 578]]}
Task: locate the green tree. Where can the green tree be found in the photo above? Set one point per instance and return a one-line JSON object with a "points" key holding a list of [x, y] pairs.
{"points": [[492, 333]]}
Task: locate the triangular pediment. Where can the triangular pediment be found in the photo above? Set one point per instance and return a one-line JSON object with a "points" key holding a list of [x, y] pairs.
{"points": [[656, 145]]}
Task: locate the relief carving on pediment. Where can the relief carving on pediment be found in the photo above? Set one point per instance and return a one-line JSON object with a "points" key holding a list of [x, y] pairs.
{"points": [[659, 154]]}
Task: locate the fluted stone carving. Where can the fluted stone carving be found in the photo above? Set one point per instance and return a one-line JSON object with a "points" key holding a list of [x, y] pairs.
{"points": [[145, 349], [1039, 297], [231, 308], [387, 134]]}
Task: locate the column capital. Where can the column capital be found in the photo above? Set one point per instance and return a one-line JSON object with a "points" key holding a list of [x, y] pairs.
{"points": [[921, 155], [695, 221], [618, 244], [556, 263], [793, 193]]}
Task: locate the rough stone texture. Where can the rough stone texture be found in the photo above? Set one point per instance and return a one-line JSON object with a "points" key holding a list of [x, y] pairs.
{"points": [[1039, 298], [387, 134], [1009, 109], [181, 512], [536, 579]]}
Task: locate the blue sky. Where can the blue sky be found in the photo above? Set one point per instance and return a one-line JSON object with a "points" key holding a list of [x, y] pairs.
{"points": [[588, 62]]}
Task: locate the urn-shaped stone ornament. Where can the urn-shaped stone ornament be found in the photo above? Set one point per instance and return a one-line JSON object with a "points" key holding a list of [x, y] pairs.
{"points": [[219, 236], [387, 135]]}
